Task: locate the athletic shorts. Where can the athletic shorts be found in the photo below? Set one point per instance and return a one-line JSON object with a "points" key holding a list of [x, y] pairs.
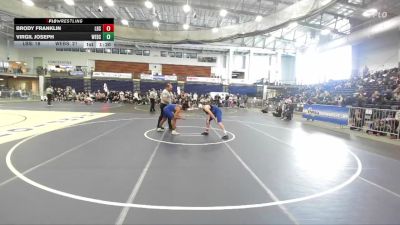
{"points": [[168, 113], [218, 114]]}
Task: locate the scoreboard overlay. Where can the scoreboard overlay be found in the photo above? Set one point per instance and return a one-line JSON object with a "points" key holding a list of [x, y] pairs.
{"points": [[64, 32]]}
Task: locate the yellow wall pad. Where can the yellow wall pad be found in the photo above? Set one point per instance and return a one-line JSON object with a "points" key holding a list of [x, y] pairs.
{"points": [[18, 124]]}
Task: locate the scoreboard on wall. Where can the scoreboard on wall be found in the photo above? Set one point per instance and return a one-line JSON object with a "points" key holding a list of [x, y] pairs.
{"points": [[64, 32]]}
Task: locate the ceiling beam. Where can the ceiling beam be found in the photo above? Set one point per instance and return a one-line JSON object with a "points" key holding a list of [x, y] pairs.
{"points": [[139, 3], [89, 9], [320, 27], [358, 6], [336, 15], [129, 13], [169, 24]]}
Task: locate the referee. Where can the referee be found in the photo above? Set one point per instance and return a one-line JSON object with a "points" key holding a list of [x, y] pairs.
{"points": [[49, 94], [153, 96], [166, 98]]}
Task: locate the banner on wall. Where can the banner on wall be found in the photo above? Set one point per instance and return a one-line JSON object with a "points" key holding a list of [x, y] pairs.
{"points": [[77, 73], [161, 78], [203, 79], [326, 113], [112, 75]]}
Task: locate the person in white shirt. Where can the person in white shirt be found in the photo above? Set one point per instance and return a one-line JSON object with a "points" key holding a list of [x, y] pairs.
{"points": [[195, 96], [121, 96], [136, 97], [166, 98], [152, 96]]}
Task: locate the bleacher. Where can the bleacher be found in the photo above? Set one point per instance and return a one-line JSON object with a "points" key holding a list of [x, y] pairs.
{"points": [[345, 92]]}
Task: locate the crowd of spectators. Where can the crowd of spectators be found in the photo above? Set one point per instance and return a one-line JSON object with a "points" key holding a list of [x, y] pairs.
{"points": [[69, 94], [379, 89], [187, 100]]}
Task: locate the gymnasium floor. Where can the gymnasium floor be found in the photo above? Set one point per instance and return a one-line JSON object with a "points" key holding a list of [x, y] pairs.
{"points": [[105, 164]]}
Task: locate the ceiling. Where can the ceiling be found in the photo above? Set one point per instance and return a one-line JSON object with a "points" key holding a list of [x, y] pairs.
{"points": [[341, 18], [203, 14]]}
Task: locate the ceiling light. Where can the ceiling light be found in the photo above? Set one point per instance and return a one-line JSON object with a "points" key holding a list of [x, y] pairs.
{"points": [[370, 12], [148, 4], [156, 23], [186, 8], [69, 2], [325, 31], [109, 2], [215, 30], [125, 22], [186, 26], [223, 12], [258, 18], [28, 2]]}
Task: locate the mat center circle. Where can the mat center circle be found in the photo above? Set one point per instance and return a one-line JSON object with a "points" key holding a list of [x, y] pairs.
{"points": [[185, 138]]}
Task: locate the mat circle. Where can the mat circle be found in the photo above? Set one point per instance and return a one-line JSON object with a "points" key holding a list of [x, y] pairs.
{"points": [[231, 138], [22, 176], [12, 122]]}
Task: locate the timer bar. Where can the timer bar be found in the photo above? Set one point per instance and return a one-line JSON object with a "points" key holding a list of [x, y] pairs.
{"points": [[64, 44]]}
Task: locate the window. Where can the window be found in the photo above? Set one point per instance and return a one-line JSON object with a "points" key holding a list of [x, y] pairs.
{"points": [[75, 49], [178, 54], [107, 50], [99, 50], [193, 55], [129, 52], [171, 54], [123, 51], [138, 52], [115, 51], [237, 75], [207, 59], [82, 50], [146, 52], [59, 49], [164, 54]]}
